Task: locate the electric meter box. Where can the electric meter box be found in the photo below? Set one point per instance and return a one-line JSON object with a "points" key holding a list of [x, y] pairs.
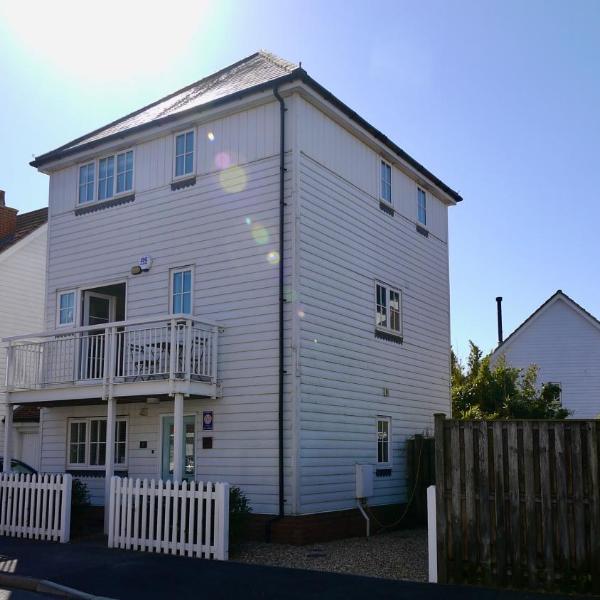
{"points": [[364, 481]]}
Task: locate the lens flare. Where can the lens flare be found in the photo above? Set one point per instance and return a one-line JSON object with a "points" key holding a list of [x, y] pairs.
{"points": [[300, 312], [260, 234], [273, 257], [222, 161], [233, 180], [211, 136], [248, 221]]}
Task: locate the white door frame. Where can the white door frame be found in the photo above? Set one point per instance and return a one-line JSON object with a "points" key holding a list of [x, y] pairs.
{"points": [[162, 418], [112, 307]]}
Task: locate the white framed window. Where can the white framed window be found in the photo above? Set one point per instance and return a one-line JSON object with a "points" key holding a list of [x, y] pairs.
{"points": [[388, 308], [384, 435], [65, 308], [385, 182], [87, 443], [181, 291], [77, 442], [422, 206], [115, 176], [184, 153], [124, 172], [106, 177], [86, 182]]}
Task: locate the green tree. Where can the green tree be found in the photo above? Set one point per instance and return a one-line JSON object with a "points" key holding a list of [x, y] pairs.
{"points": [[485, 391]]}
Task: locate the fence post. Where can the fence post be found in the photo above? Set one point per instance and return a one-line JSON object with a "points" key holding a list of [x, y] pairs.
{"points": [[440, 484], [110, 503], [65, 509], [432, 534], [222, 521]]}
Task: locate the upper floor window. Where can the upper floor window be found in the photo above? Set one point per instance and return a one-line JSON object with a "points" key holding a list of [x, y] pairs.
{"points": [[421, 206], [66, 308], [125, 172], [388, 314], [386, 182], [184, 154], [181, 291], [106, 177], [86, 183], [383, 440], [109, 182]]}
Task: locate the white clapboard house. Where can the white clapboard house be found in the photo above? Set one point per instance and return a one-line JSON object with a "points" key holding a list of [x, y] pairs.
{"points": [[23, 239], [563, 340], [247, 282]]}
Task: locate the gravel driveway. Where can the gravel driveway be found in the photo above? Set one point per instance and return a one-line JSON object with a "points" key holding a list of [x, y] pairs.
{"points": [[398, 555]]}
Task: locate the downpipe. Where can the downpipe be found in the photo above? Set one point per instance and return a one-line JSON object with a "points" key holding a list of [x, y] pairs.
{"points": [[282, 111]]}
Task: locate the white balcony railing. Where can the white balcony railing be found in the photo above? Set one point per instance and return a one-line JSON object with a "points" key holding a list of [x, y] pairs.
{"points": [[173, 348]]}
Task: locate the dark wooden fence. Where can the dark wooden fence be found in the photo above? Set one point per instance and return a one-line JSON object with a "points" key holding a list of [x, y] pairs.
{"points": [[420, 474], [518, 503]]}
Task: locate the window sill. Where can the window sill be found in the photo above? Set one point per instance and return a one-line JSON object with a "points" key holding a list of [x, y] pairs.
{"points": [[183, 182], [389, 336], [95, 473], [422, 230], [387, 208], [90, 207]]}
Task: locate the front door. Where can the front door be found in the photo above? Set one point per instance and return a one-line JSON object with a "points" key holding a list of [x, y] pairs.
{"points": [[189, 448], [97, 310]]}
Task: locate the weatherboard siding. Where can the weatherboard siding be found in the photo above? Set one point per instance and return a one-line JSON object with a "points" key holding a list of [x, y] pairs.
{"points": [[225, 226], [334, 147], [346, 243], [224, 462], [566, 347]]}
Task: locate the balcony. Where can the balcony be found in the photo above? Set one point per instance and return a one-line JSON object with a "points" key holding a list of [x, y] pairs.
{"points": [[125, 359]]}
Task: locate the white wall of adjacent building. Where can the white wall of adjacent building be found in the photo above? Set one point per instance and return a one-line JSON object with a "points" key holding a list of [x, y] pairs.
{"points": [[22, 294], [565, 345]]}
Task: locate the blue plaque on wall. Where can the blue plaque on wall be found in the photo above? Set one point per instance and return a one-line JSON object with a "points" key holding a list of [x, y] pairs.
{"points": [[207, 420]]}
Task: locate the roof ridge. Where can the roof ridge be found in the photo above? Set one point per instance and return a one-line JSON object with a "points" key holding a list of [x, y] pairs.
{"points": [[278, 61], [554, 296]]}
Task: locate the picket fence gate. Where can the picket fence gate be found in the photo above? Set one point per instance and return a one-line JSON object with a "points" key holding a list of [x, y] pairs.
{"points": [[36, 506], [187, 518]]}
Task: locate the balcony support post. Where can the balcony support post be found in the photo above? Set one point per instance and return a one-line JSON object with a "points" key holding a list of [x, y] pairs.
{"points": [[8, 429], [178, 438], [111, 409]]}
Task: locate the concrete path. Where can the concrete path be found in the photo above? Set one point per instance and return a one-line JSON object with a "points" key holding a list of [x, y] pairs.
{"points": [[98, 570]]}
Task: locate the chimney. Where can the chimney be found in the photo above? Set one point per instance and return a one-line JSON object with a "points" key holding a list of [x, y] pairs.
{"points": [[499, 307], [8, 218]]}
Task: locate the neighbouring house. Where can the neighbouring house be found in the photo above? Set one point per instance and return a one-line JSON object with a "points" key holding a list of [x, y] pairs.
{"points": [[247, 282], [23, 240], [563, 340]]}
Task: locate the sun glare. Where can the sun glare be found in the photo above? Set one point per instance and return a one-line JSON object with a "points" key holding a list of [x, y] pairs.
{"points": [[115, 42]]}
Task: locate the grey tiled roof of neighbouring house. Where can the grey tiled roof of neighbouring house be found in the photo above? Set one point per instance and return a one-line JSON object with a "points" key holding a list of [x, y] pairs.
{"points": [[252, 74]]}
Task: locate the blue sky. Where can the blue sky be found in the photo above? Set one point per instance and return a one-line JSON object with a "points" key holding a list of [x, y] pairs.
{"points": [[499, 99]]}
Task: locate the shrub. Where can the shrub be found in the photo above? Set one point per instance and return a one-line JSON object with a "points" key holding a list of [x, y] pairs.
{"points": [[239, 513], [80, 495]]}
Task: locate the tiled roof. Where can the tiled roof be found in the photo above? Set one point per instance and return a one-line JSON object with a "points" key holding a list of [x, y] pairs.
{"points": [[26, 413], [26, 224], [257, 69], [252, 74]]}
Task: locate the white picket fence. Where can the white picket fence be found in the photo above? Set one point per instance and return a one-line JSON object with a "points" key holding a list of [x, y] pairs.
{"points": [[36, 506], [187, 518]]}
